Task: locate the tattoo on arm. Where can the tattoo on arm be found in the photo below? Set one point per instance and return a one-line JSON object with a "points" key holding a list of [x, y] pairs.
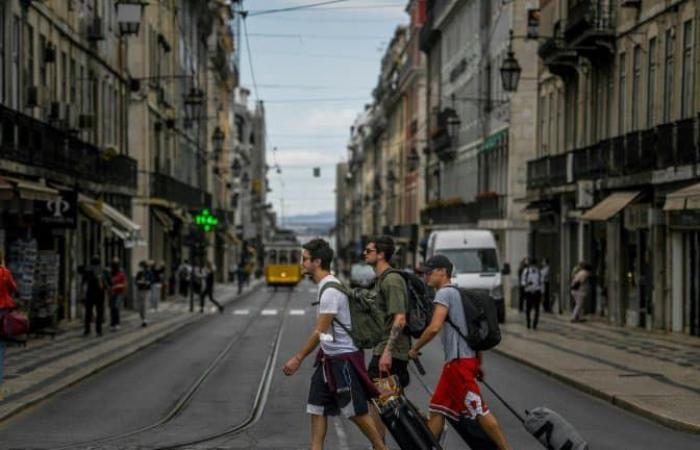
{"points": [[393, 337]]}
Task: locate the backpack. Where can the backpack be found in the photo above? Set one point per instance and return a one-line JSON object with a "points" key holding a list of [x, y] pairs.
{"points": [[367, 320], [420, 303], [481, 316]]}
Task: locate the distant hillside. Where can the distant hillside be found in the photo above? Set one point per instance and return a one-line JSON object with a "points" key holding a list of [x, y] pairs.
{"points": [[322, 218]]}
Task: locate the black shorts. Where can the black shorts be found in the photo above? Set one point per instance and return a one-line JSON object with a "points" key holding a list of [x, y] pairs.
{"points": [[399, 368], [349, 399]]}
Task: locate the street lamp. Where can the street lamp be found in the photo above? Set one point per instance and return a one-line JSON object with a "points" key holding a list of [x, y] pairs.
{"points": [[193, 104], [129, 13], [510, 69], [217, 139]]}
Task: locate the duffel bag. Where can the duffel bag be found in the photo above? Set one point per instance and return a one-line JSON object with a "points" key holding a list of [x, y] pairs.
{"points": [[14, 323]]}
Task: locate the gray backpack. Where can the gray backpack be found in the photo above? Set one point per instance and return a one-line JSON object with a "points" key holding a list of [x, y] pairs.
{"points": [[552, 430]]}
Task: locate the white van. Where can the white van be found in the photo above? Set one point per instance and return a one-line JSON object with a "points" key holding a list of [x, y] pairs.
{"points": [[475, 258]]}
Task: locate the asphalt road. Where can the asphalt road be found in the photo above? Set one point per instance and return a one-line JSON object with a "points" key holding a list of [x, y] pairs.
{"points": [[221, 362]]}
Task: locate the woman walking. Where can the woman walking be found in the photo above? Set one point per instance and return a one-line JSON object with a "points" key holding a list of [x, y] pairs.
{"points": [[7, 287], [579, 290], [116, 297]]}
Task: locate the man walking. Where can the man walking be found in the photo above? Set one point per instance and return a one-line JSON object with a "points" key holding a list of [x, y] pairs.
{"points": [[340, 383], [94, 294], [532, 284], [143, 290], [184, 277], [117, 292], [457, 392], [391, 355], [208, 291]]}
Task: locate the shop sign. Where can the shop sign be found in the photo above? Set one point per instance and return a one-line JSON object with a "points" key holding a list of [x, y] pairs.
{"points": [[684, 219], [637, 216], [60, 212]]}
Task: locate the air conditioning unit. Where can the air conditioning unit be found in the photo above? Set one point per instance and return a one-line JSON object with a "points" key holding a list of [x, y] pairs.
{"points": [[96, 29], [85, 121]]}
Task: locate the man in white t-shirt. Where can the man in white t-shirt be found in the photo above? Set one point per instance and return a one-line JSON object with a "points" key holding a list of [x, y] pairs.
{"points": [[340, 384]]}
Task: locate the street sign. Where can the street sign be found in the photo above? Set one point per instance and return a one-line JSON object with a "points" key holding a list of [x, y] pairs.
{"points": [[206, 220]]}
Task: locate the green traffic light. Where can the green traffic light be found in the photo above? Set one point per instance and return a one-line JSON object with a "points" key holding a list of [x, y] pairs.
{"points": [[206, 220]]}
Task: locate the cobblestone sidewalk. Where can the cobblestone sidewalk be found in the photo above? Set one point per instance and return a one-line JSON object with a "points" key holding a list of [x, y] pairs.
{"points": [[650, 373]]}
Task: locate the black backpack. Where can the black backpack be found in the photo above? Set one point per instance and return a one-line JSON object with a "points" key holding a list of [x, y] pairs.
{"points": [[420, 303], [481, 315]]}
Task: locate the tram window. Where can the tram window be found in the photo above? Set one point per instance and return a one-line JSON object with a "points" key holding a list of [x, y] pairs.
{"points": [[272, 257], [283, 257], [295, 256]]}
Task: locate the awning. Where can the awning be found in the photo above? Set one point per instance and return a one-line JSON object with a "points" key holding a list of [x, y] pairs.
{"points": [[91, 210], [613, 204], [31, 190], [119, 233], [181, 215], [120, 219], [686, 198], [232, 238], [164, 219]]}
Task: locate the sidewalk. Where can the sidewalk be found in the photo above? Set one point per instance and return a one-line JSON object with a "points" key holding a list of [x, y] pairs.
{"points": [[46, 366], [653, 374]]}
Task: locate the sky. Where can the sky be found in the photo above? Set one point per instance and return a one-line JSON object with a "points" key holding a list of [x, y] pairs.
{"points": [[315, 70]]}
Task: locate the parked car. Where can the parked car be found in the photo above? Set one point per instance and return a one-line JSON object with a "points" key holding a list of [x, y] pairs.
{"points": [[475, 258], [362, 275]]}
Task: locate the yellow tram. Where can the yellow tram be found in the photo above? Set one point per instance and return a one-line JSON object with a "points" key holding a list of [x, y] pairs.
{"points": [[282, 261]]}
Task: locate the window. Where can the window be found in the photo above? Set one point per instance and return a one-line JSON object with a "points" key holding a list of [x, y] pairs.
{"points": [[28, 76], [64, 77], [73, 82], [687, 83], [15, 87], [651, 83], [668, 75], [2, 52], [636, 81], [622, 86]]}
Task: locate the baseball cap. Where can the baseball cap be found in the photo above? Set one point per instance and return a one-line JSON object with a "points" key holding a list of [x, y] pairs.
{"points": [[436, 262]]}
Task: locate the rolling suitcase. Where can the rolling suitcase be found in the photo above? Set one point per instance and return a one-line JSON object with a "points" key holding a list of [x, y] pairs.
{"points": [[406, 425], [547, 426]]}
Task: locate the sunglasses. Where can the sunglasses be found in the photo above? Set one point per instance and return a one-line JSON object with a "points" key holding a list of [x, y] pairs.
{"points": [[369, 250]]}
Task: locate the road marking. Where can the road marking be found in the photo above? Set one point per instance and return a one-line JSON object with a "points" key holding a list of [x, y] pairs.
{"points": [[269, 312], [297, 312], [241, 312]]}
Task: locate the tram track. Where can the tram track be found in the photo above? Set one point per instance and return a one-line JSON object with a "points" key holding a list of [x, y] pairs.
{"points": [[184, 400]]}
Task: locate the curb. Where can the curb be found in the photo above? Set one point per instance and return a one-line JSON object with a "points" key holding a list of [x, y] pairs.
{"points": [[619, 402], [9, 410]]}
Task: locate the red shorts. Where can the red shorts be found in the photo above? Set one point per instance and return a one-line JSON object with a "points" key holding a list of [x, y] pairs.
{"points": [[457, 393]]}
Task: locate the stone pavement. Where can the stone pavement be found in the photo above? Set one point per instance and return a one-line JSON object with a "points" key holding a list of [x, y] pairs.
{"points": [[651, 373], [46, 366]]}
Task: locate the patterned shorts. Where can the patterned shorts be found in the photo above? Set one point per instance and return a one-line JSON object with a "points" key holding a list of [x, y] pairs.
{"points": [[457, 393]]}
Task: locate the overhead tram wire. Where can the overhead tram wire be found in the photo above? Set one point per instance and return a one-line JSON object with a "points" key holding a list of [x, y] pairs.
{"points": [[250, 59], [295, 8]]}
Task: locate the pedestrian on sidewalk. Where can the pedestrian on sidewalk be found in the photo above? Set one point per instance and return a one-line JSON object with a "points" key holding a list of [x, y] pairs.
{"points": [[580, 290], [531, 281], [524, 263], [7, 288], [143, 290], [546, 292], [240, 275], [208, 291], [94, 286], [118, 291], [340, 384], [457, 393], [157, 278], [184, 277]]}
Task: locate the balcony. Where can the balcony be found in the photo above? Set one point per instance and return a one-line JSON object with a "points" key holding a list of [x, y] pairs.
{"points": [[168, 188], [664, 149], [589, 162], [491, 207], [29, 141], [647, 150], [686, 148], [450, 214], [590, 28], [558, 169], [538, 172], [556, 56]]}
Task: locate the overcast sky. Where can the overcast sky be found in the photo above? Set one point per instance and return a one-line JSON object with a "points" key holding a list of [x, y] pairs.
{"points": [[315, 69]]}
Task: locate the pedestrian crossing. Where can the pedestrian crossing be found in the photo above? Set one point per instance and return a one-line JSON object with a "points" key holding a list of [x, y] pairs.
{"points": [[268, 312]]}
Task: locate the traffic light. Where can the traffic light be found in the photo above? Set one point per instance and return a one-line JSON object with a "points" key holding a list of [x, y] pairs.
{"points": [[206, 221]]}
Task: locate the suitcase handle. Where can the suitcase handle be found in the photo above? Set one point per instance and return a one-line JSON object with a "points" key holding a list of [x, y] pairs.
{"points": [[505, 403], [419, 366]]}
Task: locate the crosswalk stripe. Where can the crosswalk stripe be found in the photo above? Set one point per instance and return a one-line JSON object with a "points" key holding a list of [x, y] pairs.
{"points": [[269, 312], [241, 312], [297, 312]]}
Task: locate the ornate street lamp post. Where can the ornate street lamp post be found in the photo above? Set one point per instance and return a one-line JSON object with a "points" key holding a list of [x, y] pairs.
{"points": [[129, 13], [510, 69]]}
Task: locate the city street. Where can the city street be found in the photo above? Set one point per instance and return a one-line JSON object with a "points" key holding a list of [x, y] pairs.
{"points": [[219, 384]]}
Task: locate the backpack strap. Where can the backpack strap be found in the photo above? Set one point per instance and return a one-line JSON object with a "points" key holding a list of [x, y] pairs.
{"points": [[451, 323], [339, 287]]}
